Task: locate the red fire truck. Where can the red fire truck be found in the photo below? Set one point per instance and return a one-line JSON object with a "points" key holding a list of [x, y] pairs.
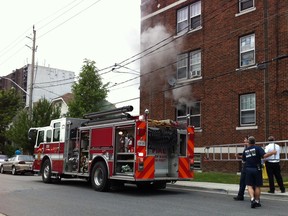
{"points": [[113, 147]]}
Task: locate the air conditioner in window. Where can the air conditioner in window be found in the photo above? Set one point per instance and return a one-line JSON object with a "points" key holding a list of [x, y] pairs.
{"points": [[195, 73]]}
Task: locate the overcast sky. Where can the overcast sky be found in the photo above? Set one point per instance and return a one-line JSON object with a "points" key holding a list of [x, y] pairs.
{"points": [[68, 31]]}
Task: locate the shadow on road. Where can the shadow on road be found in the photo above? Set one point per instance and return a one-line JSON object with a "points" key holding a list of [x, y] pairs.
{"points": [[127, 189]]}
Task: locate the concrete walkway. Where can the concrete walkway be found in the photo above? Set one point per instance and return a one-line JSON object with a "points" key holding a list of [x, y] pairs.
{"points": [[231, 189]]}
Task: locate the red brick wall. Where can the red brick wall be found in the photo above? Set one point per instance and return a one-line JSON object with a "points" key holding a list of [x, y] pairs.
{"points": [[221, 85]]}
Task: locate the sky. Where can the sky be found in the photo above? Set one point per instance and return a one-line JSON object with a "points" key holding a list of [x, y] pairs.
{"points": [[69, 31]]}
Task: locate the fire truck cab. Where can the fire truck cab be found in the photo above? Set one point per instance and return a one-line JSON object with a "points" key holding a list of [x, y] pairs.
{"points": [[113, 147]]}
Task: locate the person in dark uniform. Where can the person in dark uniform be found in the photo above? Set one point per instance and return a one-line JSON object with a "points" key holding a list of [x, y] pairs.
{"points": [[252, 157], [242, 183], [273, 166]]}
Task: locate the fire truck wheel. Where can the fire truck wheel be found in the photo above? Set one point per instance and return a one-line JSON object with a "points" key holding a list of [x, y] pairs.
{"points": [[46, 172], [99, 177]]}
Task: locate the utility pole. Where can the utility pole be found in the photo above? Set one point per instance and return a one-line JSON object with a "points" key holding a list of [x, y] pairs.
{"points": [[32, 73]]}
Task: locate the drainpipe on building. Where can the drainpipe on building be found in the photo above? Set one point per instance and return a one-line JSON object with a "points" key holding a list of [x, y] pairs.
{"points": [[266, 70]]}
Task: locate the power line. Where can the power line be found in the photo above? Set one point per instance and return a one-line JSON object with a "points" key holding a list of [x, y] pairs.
{"points": [[70, 18], [39, 28], [21, 37]]}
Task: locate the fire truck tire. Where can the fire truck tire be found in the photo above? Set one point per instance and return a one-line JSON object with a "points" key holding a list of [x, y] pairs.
{"points": [[46, 172], [99, 177]]}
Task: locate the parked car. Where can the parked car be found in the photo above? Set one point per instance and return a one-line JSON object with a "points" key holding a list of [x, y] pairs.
{"points": [[3, 158], [18, 164]]}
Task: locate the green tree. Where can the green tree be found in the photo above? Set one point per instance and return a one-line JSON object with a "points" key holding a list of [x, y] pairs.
{"points": [[10, 104], [89, 93], [43, 113], [18, 132]]}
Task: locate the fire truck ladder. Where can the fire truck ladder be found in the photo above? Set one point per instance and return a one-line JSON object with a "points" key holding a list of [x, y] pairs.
{"points": [[108, 116], [226, 152]]}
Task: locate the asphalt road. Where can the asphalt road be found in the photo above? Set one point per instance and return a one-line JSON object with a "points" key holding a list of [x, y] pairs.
{"points": [[28, 195]]}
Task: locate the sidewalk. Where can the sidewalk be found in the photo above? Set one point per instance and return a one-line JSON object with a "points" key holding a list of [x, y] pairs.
{"points": [[231, 189]]}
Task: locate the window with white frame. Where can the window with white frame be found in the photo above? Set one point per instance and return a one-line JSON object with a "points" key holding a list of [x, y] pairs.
{"points": [[194, 110], [182, 19], [245, 5], [195, 64], [189, 18], [195, 15], [247, 109], [182, 66], [247, 50], [189, 65]]}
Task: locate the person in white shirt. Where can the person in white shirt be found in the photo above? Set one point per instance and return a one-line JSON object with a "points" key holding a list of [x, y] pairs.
{"points": [[273, 166]]}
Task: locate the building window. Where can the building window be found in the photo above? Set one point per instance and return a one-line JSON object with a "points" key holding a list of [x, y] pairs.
{"points": [[182, 66], [189, 62], [182, 19], [189, 18], [247, 50], [248, 109], [195, 64], [194, 111], [245, 5], [195, 15]]}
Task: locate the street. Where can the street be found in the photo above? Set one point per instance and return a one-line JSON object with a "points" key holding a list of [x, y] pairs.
{"points": [[22, 195]]}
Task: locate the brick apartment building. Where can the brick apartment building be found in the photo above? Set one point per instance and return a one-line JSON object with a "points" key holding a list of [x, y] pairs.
{"points": [[223, 62]]}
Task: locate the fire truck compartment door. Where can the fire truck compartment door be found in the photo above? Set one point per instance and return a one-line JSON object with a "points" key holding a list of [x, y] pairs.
{"points": [[161, 162], [102, 137]]}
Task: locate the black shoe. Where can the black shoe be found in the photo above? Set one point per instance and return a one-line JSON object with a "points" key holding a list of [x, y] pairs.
{"points": [[238, 198], [258, 204], [253, 204], [282, 191], [271, 191]]}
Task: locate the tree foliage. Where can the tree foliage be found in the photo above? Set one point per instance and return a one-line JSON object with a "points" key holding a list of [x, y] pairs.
{"points": [[18, 132], [89, 93], [43, 113], [10, 103]]}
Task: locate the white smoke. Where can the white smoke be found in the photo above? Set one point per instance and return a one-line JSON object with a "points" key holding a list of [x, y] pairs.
{"points": [[183, 96], [160, 50]]}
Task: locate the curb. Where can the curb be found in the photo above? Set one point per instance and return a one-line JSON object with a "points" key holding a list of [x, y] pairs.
{"points": [[228, 191], [218, 190]]}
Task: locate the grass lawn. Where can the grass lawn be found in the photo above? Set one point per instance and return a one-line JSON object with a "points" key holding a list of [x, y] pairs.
{"points": [[217, 177], [226, 178]]}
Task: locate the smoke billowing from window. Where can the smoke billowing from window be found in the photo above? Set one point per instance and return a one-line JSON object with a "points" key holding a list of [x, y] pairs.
{"points": [[159, 63]]}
